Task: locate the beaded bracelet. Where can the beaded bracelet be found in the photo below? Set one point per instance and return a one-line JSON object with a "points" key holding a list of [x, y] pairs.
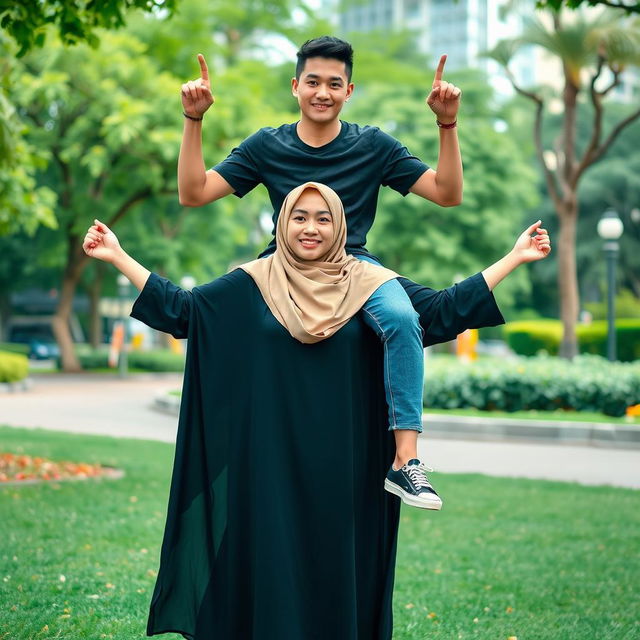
{"points": [[191, 117], [451, 125]]}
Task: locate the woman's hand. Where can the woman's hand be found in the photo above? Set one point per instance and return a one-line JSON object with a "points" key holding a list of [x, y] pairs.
{"points": [[196, 95], [444, 99], [101, 243], [529, 248]]}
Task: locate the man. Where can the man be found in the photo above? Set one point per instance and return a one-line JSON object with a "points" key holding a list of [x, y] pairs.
{"points": [[355, 161]]}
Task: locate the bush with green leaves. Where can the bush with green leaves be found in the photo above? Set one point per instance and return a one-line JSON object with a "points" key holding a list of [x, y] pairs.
{"points": [[13, 367], [530, 337], [15, 347], [157, 360], [588, 383]]}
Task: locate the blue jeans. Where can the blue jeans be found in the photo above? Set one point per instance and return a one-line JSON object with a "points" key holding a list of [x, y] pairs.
{"points": [[391, 315]]}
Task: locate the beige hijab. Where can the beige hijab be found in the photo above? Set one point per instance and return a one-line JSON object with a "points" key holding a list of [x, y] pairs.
{"points": [[313, 299]]}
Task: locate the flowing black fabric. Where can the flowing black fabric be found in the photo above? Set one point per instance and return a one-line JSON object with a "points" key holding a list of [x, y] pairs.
{"points": [[278, 525]]}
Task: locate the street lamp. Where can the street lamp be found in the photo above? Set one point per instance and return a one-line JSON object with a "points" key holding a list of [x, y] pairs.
{"points": [[610, 229], [123, 290]]}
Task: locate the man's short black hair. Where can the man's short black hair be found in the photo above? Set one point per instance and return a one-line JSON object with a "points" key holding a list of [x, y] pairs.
{"points": [[326, 47]]}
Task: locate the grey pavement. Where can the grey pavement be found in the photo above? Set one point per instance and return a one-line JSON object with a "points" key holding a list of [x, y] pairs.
{"points": [[106, 405]]}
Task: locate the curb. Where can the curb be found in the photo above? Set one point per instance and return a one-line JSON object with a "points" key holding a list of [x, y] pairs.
{"points": [[597, 434], [593, 434], [166, 403], [14, 387]]}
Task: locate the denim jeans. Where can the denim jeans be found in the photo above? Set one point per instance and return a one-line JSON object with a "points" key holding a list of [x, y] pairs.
{"points": [[390, 314]]}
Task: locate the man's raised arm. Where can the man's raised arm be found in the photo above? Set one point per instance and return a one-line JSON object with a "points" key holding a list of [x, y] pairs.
{"points": [[444, 185], [196, 185]]}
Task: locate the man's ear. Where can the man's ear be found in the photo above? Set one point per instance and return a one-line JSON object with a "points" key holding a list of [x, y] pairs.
{"points": [[294, 86], [350, 88]]}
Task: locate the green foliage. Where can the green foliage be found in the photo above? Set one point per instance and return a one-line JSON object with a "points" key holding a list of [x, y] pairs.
{"points": [[13, 366], [27, 21], [593, 338], [588, 383], [154, 360], [24, 205], [628, 6], [626, 306], [436, 245], [531, 337], [15, 347], [157, 360]]}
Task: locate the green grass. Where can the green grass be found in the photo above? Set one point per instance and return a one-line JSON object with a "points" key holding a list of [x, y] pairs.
{"points": [[550, 416], [536, 560]]}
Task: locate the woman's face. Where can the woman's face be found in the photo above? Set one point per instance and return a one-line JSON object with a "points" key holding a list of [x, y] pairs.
{"points": [[310, 226]]}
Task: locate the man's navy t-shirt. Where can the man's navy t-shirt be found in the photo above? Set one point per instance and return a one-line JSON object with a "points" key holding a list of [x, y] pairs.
{"points": [[354, 164]]}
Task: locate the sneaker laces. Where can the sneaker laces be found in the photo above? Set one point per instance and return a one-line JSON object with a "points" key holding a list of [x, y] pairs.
{"points": [[418, 475]]}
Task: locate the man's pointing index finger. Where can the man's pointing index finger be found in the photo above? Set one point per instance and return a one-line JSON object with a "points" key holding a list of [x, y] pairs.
{"points": [[204, 70], [438, 77]]}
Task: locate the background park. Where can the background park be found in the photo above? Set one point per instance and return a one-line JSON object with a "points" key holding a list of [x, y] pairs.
{"points": [[91, 127]]}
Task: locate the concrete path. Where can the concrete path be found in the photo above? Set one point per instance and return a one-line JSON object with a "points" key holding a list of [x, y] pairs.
{"points": [[98, 404]]}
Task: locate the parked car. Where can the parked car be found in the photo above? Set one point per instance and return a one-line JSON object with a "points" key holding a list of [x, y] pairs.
{"points": [[39, 337]]}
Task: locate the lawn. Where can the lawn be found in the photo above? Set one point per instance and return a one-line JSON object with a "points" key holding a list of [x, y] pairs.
{"points": [[505, 558]]}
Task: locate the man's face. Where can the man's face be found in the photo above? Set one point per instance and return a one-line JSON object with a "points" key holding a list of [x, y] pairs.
{"points": [[310, 226], [322, 89]]}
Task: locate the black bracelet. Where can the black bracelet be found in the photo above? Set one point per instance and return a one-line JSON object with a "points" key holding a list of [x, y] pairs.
{"points": [[191, 117], [451, 125]]}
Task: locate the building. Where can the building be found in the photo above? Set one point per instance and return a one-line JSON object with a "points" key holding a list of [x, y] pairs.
{"points": [[464, 30]]}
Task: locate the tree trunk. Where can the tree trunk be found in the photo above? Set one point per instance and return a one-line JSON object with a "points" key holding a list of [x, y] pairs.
{"points": [[62, 316], [568, 279], [95, 293], [5, 315]]}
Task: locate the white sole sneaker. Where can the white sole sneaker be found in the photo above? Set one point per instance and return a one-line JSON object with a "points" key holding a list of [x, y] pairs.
{"points": [[428, 501]]}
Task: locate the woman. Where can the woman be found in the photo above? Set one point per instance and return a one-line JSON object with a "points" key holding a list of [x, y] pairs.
{"points": [[278, 526]]}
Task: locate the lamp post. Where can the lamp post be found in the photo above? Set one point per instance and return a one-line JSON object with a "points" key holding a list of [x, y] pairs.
{"points": [[610, 229], [123, 290]]}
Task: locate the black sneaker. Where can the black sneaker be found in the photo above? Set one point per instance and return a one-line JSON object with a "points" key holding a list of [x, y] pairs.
{"points": [[410, 483]]}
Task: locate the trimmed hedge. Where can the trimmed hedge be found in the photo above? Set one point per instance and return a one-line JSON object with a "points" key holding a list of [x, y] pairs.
{"points": [[157, 360], [15, 347], [530, 337], [13, 366], [588, 383]]}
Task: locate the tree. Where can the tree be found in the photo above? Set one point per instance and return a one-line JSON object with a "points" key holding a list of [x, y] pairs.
{"points": [[27, 21], [107, 122], [585, 47], [23, 205], [436, 245], [628, 6]]}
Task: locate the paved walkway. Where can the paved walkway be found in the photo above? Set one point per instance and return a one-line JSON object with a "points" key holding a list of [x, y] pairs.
{"points": [[98, 404]]}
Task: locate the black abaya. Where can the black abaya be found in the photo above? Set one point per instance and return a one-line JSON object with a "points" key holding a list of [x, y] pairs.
{"points": [[278, 525]]}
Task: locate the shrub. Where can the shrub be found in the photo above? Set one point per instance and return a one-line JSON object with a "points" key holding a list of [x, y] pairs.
{"points": [[627, 306], [156, 360], [528, 338], [13, 366], [15, 347], [593, 338], [589, 383]]}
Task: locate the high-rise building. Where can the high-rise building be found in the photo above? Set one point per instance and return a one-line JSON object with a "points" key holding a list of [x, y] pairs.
{"points": [[464, 30]]}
